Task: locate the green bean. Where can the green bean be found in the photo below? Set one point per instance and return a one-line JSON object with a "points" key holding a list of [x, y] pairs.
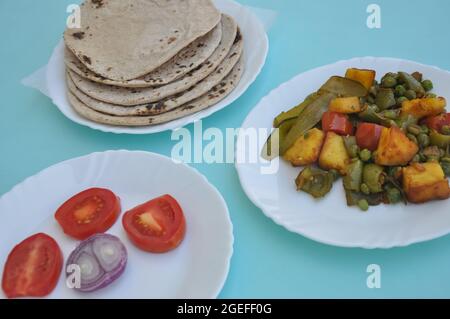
{"points": [[314, 181], [311, 115], [406, 121], [445, 130], [410, 94], [373, 90], [423, 139], [351, 146], [363, 205], [440, 140], [373, 177], [393, 195], [391, 114], [395, 172], [445, 159], [422, 157], [388, 81], [416, 159], [413, 138], [446, 168], [385, 98], [411, 83], [335, 174], [352, 181], [370, 99], [414, 129], [427, 85], [425, 129], [365, 155]]}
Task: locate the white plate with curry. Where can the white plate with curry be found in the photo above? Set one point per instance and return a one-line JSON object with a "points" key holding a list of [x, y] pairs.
{"points": [[329, 220]]}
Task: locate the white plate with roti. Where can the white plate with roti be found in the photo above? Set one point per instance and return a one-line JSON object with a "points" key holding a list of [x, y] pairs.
{"points": [[191, 76], [197, 268]]}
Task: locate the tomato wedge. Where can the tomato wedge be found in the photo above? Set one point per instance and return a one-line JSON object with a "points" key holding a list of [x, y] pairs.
{"points": [[437, 122], [337, 123], [90, 212], [368, 136], [32, 268], [156, 226]]}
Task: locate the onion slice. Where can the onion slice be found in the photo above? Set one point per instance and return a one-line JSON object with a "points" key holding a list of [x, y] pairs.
{"points": [[101, 259]]}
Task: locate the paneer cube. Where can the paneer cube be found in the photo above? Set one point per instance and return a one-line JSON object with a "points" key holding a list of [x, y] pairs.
{"points": [[420, 108], [395, 148], [346, 105], [334, 154], [365, 77], [306, 149], [425, 182]]}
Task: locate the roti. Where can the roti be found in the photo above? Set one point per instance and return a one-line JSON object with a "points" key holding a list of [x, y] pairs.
{"points": [[137, 96], [170, 103], [126, 39], [185, 61], [214, 96]]}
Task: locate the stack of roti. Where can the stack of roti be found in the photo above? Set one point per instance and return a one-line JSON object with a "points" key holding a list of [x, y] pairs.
{"points": [[147, 62]]}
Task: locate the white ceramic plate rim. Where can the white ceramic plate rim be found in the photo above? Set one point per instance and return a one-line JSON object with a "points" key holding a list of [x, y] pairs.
{"points": [[56, 84], [306, 232], [226, 254]]}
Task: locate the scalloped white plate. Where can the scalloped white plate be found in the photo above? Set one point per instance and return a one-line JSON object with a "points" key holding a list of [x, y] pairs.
{"points": [[196, 269], [256, 46], [329, 220]]}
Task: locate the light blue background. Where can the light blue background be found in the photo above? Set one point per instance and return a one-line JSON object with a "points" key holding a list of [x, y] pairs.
{"points": [[268, 260]]}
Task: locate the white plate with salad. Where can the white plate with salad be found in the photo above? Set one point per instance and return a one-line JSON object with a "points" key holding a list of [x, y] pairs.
{"points": [[117, 224]]}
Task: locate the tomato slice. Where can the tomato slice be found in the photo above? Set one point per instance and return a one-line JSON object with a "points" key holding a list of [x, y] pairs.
{"points": [[437, 122], [337, 123], [368, 136], [90, 212], [156, 226], [33, 267]]}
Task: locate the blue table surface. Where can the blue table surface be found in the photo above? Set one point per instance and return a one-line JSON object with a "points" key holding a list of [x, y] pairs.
{"points": [[268, 260]]}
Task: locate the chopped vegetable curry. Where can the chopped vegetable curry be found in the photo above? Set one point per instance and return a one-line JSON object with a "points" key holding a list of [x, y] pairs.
{"points": [[389, 140]]}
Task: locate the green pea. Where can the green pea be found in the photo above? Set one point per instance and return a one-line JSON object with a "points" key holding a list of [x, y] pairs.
{"points": [[389, 81], [430, 95], [412, 138], [401, 99], [427, 85], [400, 90], [393, 195], [365, 189], [423, 139], [391, 114], [365, 155], [410, 94], [363, 205]]}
